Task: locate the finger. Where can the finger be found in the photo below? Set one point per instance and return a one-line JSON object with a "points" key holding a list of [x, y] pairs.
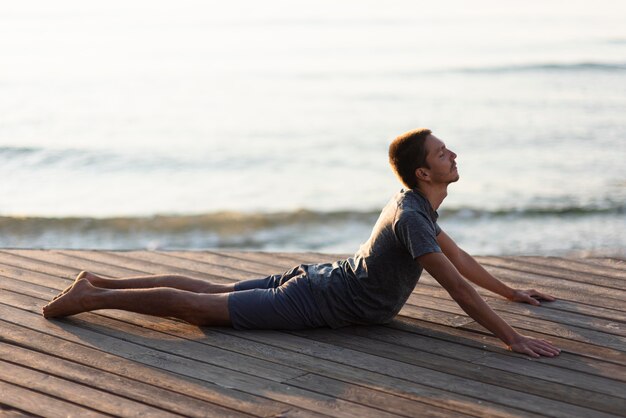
{"points": [[546, 348], [531, 353], [542, 296], [546, 352], [549, 346], [532, 301], [524, 349]]}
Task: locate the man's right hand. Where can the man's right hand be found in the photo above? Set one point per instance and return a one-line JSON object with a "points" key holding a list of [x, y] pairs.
{"points": [[533, 347]]}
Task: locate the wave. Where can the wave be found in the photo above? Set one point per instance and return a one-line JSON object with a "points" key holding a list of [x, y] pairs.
{"points": [[41, 157], [584, 66], [232, 222], [576, 66], [225, 222]]}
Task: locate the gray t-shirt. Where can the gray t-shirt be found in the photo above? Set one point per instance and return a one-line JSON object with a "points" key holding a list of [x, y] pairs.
{"points": [[372, 286]]}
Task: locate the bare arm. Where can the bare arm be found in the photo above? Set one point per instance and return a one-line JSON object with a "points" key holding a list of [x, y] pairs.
{"points": [[438, 265], [474, 272]]}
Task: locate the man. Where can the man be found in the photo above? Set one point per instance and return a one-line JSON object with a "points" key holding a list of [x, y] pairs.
{"points": [[369, 288]]}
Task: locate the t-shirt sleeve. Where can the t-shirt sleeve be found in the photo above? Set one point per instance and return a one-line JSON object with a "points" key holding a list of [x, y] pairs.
{"points": [[417, 233]]}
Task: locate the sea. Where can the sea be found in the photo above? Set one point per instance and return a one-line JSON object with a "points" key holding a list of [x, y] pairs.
{"points": [[265, 125]]}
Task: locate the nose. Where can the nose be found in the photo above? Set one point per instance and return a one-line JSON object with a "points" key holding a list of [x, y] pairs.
{"points": [[452, 155]]}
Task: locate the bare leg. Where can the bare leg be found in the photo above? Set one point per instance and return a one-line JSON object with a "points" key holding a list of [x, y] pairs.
{"points": [[147, 282], [195, 308], [174, 281]]}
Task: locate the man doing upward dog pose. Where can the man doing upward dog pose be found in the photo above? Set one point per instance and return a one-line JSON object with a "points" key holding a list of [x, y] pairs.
{"points": [[369, 288]]}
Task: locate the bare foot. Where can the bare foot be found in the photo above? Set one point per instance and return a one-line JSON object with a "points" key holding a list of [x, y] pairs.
{"points": [[72, 302], [90, 277]]}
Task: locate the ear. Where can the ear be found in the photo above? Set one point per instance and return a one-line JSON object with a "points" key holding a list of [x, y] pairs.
{"points": [[421, 174]]}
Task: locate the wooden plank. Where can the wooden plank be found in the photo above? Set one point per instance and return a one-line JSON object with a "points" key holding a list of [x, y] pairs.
{"points": [[115, 384], [612, 327], [314, 363], [401, 369], [560, 305], [613, 262], [557, 269], [133, 259], [260, 263], [453, 320], [545, 313], [472, 350], [34, 402], [586, 335], [576, 265], [491, 343], [8, 412], [142, 259], [564, 331], [546, 370], [448, 322], [377, 380], [193, 267], [68, 266], [522, 375], [387, 402], [259, 257], [20, 286], [573, 291], [224, 376], [166, 261], [562, 292], [93, 357], [69, 391], [148, 261], [285, 260], [601, 312], [22, 259], [156, 342]]}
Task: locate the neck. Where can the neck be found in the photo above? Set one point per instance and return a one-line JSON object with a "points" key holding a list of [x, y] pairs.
{"points": [[434, 194]]}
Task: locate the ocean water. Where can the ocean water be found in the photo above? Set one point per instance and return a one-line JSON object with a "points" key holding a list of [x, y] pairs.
{"points": [[265, 125]]}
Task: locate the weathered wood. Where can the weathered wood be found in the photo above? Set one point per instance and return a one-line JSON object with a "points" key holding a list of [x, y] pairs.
{"points": [[575, 291], [34, 402], [281, 357], [372, 398], [432, 315], [463, 349], [570, 332], [518, 377], [613, 262], [547, 313], [599, 271], [284, 357], [69, 391], [558, 269], [419, 313], [561, 305], [491, 343], [204, 371], [111, 383], [206, 356], [432, 358], [95, 358], [391, 339]]}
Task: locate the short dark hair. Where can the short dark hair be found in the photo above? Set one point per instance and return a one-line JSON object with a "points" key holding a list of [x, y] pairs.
{"points": [[407, 153]]}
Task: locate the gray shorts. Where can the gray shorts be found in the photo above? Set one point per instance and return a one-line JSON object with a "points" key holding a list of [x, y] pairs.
{"points": [[282, 301]]}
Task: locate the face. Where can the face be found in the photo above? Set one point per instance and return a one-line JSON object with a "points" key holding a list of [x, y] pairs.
{"points": [[441, 161]]}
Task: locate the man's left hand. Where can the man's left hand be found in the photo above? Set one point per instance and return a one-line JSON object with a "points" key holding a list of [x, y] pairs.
{"points": [[530, 296]]}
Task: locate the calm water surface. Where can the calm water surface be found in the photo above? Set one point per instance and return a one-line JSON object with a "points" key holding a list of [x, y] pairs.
{"points": [[265, 125]]}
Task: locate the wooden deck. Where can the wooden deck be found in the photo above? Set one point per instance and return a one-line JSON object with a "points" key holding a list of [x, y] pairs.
{"points": [[431, 361]]}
